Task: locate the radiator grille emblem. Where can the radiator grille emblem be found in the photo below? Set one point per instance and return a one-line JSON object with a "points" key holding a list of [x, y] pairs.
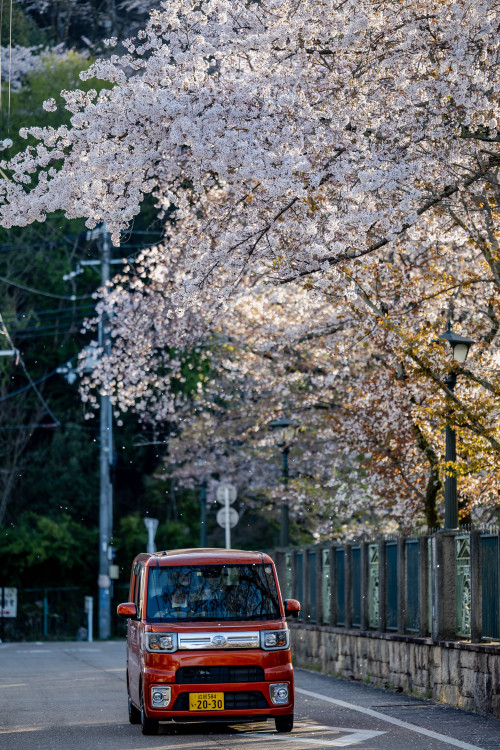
{"points": [[219, 640]]}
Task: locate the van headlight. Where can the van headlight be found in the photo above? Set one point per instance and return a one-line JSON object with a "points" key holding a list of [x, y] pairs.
{"points": [[160, 696], [271, 640], [161, 642]]}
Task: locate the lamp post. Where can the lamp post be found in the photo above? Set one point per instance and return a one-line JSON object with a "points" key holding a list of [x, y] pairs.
{"points": [[284, 430], [203, 513], [460, 348]]}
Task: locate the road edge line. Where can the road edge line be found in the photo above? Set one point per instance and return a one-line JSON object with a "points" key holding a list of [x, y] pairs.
{"points": [[390, 720]]}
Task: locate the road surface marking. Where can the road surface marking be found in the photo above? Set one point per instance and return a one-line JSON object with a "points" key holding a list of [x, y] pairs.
{"points": [[15, 730], [355, 736], [17, 684], [390, 720], [33, 650]]}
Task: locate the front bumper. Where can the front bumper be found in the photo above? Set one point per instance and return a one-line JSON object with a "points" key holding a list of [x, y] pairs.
{"points": [[246, 694], [244, 701]]}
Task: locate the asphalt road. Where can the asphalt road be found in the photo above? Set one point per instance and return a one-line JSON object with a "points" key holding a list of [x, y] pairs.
{"points": [[72, 696]]}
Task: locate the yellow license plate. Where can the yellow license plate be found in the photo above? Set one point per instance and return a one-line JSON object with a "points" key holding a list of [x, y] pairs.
{"points": [[206, 701]]}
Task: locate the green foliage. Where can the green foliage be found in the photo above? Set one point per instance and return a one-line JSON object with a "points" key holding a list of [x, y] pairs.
{"points": [[46, 551], [23, 32], [63, 475]]}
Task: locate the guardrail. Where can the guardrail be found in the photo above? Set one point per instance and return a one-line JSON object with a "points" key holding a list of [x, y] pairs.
{"points": [[445, 585]]}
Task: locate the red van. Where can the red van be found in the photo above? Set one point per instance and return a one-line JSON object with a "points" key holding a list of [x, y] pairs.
{"points": [[207, 639]]}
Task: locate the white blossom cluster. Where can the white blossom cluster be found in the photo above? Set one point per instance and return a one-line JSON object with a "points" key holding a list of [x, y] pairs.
{"points": [[328, 175], [19, 61]]}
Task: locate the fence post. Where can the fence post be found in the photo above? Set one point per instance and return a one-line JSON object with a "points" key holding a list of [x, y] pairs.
{"points": [[401, 605], [348, 584], [319, 585], [476, 598], [423, 586], [444, 615], [365, 603], [306, 609], [382, 586], [333, 586]]}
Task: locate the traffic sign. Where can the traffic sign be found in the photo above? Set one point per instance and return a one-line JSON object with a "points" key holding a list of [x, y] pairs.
{"points": [[226, 491], [8, 602], [233, 517]]}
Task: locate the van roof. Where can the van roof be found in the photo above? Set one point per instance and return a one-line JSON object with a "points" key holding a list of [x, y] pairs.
{"points": [[203, 556]]}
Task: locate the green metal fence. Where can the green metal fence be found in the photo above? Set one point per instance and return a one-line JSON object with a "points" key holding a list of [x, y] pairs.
{"points": [[356, 586], [391, 587], [400, 585], [412, 584], [340, 581], [490, 586]]}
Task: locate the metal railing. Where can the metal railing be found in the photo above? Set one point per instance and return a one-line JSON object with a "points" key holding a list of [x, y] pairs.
{"points": [[56, 613], [444, 585]]}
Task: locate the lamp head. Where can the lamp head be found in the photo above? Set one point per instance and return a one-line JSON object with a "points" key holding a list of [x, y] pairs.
{"points": [[284, 430], [460, 344]]}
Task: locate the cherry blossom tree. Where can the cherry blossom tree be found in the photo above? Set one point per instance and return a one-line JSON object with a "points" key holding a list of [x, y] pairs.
{"points": [[343, 153]]}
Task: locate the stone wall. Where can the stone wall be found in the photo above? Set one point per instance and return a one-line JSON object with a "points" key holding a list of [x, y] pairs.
{"points": [[465, 675]]}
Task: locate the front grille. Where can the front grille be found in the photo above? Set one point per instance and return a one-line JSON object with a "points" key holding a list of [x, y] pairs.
{"points": [[235, 700], [219, 674]]}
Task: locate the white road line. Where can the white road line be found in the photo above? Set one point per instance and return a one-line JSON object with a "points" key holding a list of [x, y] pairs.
{"points": [[356, 735], [33, 650], [17, 684], [351, 739], [81, 650], [390, 720]]}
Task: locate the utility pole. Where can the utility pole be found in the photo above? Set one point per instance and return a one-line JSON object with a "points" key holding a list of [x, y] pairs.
{"points": [[106, 459]]}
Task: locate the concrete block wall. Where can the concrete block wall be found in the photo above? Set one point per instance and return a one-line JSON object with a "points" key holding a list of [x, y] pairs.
{"points": [[461, 674]]}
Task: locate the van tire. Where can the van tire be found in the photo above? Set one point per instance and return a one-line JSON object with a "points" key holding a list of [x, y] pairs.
{"points": [[284, 723], [134, 715], [148, 726]]}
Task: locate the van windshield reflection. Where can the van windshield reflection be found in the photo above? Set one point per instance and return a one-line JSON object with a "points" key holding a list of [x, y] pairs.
{"points": [[212, 592]]}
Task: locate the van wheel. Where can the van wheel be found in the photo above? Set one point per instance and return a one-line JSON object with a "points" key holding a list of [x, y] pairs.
{"points": [[149, 726], [284, 723], [134, 715]]}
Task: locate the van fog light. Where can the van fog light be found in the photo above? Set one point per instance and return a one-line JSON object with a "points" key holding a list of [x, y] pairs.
{"points": [[160, 696], [279, 693]]}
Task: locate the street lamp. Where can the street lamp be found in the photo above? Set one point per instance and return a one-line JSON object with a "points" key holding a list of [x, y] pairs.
{"points": [[460, 348], [284, 431]]}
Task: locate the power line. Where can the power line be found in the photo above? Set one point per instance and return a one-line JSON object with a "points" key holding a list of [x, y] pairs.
{"points": [[25, 370], [42, 293], [47, 425], [35, 382], [46, 332], [51, 312], [53, 320]]}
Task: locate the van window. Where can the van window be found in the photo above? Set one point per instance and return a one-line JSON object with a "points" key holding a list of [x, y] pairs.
{"points": [[139, 584], [212, 592]]}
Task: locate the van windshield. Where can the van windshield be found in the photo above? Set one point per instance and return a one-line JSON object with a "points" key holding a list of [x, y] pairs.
{"points": [[212, 592]]}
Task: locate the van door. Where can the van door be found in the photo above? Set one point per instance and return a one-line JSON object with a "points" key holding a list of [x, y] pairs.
{"points": [[134, 657]]}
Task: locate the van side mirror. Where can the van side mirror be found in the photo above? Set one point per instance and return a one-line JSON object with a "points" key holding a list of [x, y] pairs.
{"points": [[128, 609], [292, 607]]}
